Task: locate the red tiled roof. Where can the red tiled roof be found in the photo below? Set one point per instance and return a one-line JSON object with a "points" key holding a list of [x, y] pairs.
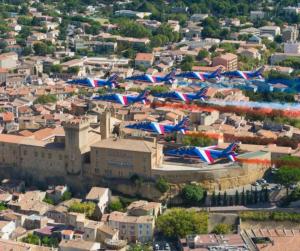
{"points": [[8, 116], [144, 57]]}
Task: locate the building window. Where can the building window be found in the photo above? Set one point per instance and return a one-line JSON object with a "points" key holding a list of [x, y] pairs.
{"points": [[60, 157], [35, 154], [49, 155], [43, 155]]}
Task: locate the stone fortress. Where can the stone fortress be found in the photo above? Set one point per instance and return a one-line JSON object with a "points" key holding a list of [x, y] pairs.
{"points": [[82, 156]]}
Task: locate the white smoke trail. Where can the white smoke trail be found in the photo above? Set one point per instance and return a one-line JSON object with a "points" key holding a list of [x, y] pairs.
{"points": [[252, 104]]}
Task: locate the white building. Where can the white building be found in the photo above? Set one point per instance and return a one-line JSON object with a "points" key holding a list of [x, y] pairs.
{"points": [[291, 10], [292, 48], [272, 30], [198, 17], [131, 13], [101, 196], [256, 15], [6, 229]]}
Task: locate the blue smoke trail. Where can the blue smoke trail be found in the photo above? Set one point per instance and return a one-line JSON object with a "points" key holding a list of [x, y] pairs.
{"points": [[252, 104]]}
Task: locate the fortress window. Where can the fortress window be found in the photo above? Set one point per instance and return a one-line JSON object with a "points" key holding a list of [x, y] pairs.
{"points": [[25, 152], [35, 154]]}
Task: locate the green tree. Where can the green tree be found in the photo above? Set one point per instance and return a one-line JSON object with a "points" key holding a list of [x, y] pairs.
{"points": [[225, 199], [56, 68], [202, 54], [219, 199], [73, 70], [237, 198], [288, 176], [31, 239], [48, 200], [255, 195], [42, 49], [44, 99], [129, 28], [197, 141], [179, 222], [192, 194], [222, 228], [158, 89], [88, 208], [213, 199], [187, 63], [243, 198], [115, 205], [162, 185], [27, 51], [67, 195], [50, 242], [139, 247], [2, 206], [3, 45]]}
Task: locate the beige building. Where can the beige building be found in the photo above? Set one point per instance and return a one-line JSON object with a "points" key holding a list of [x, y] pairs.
{"points": [[124, 157], [132, 228], [144, 59], [81, 156], [65, 158], [78, 245], [8, 60], [228, 60]]}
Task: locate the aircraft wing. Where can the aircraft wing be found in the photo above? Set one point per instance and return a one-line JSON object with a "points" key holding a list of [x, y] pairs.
{"points": [[142, 78], [83, 82], [192, 152], [108, 97]]}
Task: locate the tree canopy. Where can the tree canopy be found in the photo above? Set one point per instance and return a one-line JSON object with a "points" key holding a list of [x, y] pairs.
{"points": [[179, 222], [288, 176], [192, 194]]}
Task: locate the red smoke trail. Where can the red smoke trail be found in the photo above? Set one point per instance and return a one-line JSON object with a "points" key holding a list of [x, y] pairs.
{"points": [[204, 134], [262, 162], [294, 114]]}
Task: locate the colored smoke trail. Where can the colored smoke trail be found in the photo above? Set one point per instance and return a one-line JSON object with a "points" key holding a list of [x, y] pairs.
{"points": [[252, 104], [262, 162], [204, 134], [238, 107]]}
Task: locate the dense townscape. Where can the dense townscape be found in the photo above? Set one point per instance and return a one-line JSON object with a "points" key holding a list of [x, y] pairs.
{"points": [[166, 125]]}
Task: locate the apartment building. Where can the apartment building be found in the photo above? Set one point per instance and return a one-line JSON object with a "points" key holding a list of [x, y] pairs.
{"points": [[132, 228], [271, 30], [228, 60], [144, 59], [290, 34], [293, 48]]}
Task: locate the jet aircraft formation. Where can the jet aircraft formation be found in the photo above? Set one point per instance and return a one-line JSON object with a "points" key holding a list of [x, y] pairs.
{"points": [[169, 78]]}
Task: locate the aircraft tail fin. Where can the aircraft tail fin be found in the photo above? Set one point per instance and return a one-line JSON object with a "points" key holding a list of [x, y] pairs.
{"points": [[259, 71], [182, 125], [202, 92], [217, 73], [231, 148]]}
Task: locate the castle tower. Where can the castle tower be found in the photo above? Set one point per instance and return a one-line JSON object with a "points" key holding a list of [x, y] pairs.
{"points": [[105, 124], [76, 140]]}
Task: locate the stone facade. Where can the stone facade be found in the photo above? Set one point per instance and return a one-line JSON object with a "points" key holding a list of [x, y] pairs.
{"points": [[82, 159]]}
